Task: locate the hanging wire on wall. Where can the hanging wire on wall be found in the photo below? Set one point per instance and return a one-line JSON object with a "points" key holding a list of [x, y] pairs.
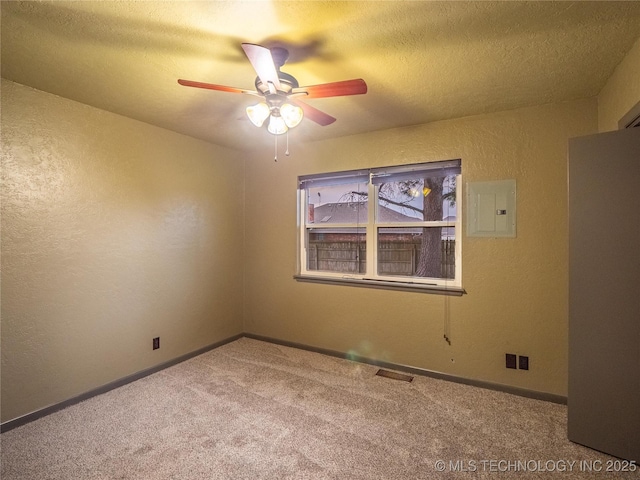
{"points": [[447, 320], [447, 300]]}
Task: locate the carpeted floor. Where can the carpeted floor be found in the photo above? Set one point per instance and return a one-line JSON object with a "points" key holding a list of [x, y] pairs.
{"points": [[254, 410]]}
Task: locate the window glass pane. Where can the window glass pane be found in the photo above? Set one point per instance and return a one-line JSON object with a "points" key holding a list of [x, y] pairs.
{"points": [[337, 250], [419, 199], [337, 204], [417, 252]]}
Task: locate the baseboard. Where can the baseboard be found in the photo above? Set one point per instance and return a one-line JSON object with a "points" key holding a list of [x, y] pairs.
{"points": [[522, 392], [30, 417]]}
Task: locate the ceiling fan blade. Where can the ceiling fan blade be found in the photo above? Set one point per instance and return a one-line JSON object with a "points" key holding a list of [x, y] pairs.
{"points": [[334, 89], [213, 86], [262, 62], [314, 114]]}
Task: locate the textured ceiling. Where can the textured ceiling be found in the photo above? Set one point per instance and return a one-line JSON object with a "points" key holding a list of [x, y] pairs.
{"points": [[423, 61]]}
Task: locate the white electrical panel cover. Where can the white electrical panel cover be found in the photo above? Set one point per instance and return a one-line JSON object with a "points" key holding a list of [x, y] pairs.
{"points": [[491, 209]]}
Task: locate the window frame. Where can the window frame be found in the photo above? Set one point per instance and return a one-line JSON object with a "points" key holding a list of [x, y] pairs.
{"points": [[371, 277]]}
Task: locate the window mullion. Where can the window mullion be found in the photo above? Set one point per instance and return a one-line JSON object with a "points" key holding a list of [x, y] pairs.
{"points": [[302, 231], [418, 223], [458, 229], [372, 237]]}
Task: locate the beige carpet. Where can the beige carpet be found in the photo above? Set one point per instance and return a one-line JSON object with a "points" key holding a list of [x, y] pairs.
{"points": [[254, 410]]}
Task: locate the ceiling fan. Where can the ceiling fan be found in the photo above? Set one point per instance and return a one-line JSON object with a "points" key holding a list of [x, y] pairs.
{"points": [[281, 92]]}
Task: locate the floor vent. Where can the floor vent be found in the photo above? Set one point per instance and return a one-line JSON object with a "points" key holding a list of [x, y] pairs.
{"points": [[394, 375]]}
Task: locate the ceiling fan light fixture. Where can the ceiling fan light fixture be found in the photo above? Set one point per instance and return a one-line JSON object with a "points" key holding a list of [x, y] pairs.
{"points": [[277, 126], [291, 114], [258, 113], [276, 86]]}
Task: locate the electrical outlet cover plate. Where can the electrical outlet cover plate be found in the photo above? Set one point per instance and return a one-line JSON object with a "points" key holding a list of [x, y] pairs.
{"points": [[511, 360]]}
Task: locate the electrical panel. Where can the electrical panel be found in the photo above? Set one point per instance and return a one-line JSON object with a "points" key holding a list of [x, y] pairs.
{"points": [[491, 209]]}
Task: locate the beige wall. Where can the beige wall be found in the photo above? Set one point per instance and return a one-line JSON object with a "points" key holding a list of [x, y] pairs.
{"points": [[517, 288], [113, 232], [621, 92]]}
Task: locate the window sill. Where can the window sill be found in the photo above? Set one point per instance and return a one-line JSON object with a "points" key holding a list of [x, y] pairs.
{"points": [[384, 284]]}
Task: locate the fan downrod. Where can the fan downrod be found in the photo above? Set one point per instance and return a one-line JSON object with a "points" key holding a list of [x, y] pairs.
{"points": [[280, 56]]}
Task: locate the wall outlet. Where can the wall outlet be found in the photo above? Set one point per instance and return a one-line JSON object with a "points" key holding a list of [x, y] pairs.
{"points": [[511, 360], [523, 362], [156, 343]]}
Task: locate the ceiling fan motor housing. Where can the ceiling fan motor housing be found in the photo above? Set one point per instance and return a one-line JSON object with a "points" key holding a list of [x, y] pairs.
{"points": [[276, 97], [287, 83]]}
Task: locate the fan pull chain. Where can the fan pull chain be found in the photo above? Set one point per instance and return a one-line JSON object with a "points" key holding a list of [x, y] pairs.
{"points": [[275, 153], [287, 152]]}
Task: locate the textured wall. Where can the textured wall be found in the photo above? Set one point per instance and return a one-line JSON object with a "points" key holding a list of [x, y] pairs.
{"points": [[113, 232], [621, 92], [517, 288]]}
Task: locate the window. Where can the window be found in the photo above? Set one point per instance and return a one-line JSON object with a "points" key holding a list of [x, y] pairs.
{"points": [[393, 225]]}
